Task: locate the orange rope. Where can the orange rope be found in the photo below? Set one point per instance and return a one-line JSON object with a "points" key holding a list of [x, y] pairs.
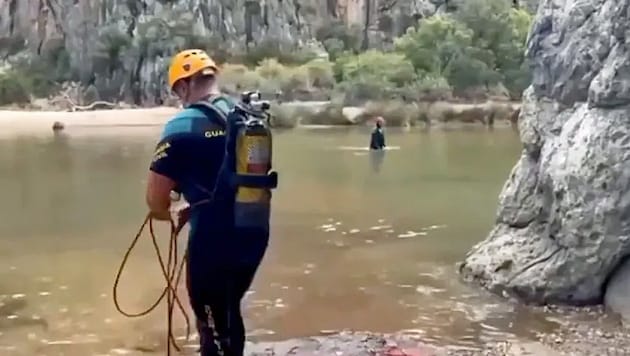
{"points": [[172, 272]]}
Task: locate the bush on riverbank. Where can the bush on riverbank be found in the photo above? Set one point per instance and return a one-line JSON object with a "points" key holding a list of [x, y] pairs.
{"points": [[12, 90]]}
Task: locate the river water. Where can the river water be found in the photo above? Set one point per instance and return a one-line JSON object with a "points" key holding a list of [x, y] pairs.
{"points": [[359, 241]]}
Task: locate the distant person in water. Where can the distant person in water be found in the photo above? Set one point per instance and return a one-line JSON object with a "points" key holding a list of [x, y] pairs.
{"points": [[377, 141]]}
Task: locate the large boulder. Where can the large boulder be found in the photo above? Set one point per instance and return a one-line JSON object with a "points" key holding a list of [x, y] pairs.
{"points": [[563, 222]]}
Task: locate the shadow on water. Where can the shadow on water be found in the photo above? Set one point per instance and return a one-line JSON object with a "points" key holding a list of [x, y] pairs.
{"points": [[342, 254]]}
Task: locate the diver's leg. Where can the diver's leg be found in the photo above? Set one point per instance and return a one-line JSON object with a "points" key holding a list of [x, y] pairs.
{"points": [[226, 293], [219, 294], [242, 280], [199, 301]]}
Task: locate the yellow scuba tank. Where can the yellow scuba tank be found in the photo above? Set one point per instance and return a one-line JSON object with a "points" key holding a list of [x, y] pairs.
{"points": [[253, 149], [253, 158]]}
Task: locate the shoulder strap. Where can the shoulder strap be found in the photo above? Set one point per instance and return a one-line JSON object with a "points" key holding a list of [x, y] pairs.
{"points": [[215, 108]]}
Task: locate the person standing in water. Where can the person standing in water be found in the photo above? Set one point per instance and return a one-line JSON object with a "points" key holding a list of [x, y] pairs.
{"points": [[221, 263], [377, 141]]}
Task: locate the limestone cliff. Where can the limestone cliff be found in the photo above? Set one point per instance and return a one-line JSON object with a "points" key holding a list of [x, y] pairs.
{"points": [[563, 222], [122, 46]]}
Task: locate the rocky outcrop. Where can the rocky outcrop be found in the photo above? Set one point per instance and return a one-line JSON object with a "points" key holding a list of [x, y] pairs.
{"points": [[563, 222]]}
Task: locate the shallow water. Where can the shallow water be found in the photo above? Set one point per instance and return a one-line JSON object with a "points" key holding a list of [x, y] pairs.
{"points": [[360, 240]]}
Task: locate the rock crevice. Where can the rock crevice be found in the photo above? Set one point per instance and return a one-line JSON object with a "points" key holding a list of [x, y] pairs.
{"points": [[563, 222]]}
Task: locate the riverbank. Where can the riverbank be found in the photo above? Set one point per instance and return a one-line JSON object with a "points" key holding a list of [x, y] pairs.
{"points": [[285, 115], [400, 344], [572, 339], [13, 121]]}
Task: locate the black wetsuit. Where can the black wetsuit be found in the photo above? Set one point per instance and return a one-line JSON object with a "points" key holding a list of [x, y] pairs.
{"points": [[377, 141], [221, 262]]}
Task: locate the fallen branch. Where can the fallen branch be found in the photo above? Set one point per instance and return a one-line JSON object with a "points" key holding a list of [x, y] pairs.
{"points": [[93, 105], [74, 107]]}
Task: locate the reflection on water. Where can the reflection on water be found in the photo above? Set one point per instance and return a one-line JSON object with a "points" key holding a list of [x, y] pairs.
{"points": [[363, 241], [376, 160]]}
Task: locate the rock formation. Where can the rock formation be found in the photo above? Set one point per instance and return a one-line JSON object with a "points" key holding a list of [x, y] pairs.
{"points": [[563, 221]]}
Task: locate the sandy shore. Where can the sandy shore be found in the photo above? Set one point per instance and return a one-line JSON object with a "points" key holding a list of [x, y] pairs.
{"points": [[12, 122]]}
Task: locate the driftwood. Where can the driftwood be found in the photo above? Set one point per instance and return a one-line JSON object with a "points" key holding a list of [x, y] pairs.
{"points": [[93, 106], [73, 106]]}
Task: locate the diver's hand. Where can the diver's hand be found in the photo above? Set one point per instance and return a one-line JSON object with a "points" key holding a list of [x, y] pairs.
{"points": [[183, 214]]}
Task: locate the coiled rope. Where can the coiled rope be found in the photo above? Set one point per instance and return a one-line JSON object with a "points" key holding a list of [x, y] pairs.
{"points": [[172, 272]]}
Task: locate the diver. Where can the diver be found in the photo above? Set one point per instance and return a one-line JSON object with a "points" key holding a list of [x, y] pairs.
{"points": [[189, 158], [377, 140]]}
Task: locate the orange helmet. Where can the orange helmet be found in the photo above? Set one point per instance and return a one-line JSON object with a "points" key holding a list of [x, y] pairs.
{"points": [[189, 62]]}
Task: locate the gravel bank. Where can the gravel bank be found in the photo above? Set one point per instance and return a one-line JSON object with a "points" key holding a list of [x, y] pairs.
{"points": [[601, 334]]}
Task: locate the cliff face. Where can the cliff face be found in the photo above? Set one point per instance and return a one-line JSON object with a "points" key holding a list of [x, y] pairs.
{"points": [[563, 222], [124, 45]]}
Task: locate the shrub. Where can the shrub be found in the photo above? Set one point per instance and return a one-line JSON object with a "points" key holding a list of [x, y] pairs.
{"points": [[285, 53], [320, 73], [382, 67], [237, 78], [12, 88]]}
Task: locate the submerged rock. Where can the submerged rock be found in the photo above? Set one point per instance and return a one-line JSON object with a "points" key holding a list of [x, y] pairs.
{"points": [[563, 222]]}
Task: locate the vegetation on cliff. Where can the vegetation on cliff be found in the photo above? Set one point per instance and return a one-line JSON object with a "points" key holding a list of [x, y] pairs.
{"points": [[475, 51]]}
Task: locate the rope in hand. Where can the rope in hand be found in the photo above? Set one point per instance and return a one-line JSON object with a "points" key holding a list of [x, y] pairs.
{"points": [[172, 272]]}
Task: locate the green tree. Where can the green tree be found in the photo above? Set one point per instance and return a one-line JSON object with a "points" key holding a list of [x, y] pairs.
{"points": [[500, 31], [393, 69], [110, 47], [443, 47], [344, 37], [435, 43], [373, 74]]}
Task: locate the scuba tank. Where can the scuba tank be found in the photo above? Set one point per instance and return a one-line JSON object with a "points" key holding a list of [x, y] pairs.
{"points": [[253, 177], [245, 177]]}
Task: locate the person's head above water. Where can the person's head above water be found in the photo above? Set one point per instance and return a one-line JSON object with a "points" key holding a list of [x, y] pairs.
{"points": [[379, 121], [192, 75]]}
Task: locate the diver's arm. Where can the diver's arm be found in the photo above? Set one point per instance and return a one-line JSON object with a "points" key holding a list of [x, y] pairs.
{"points": [[158, 195], [165, 168]]}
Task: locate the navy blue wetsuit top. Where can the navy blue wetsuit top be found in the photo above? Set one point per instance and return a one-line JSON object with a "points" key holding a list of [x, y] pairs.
{"points": [[191, 151]]}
